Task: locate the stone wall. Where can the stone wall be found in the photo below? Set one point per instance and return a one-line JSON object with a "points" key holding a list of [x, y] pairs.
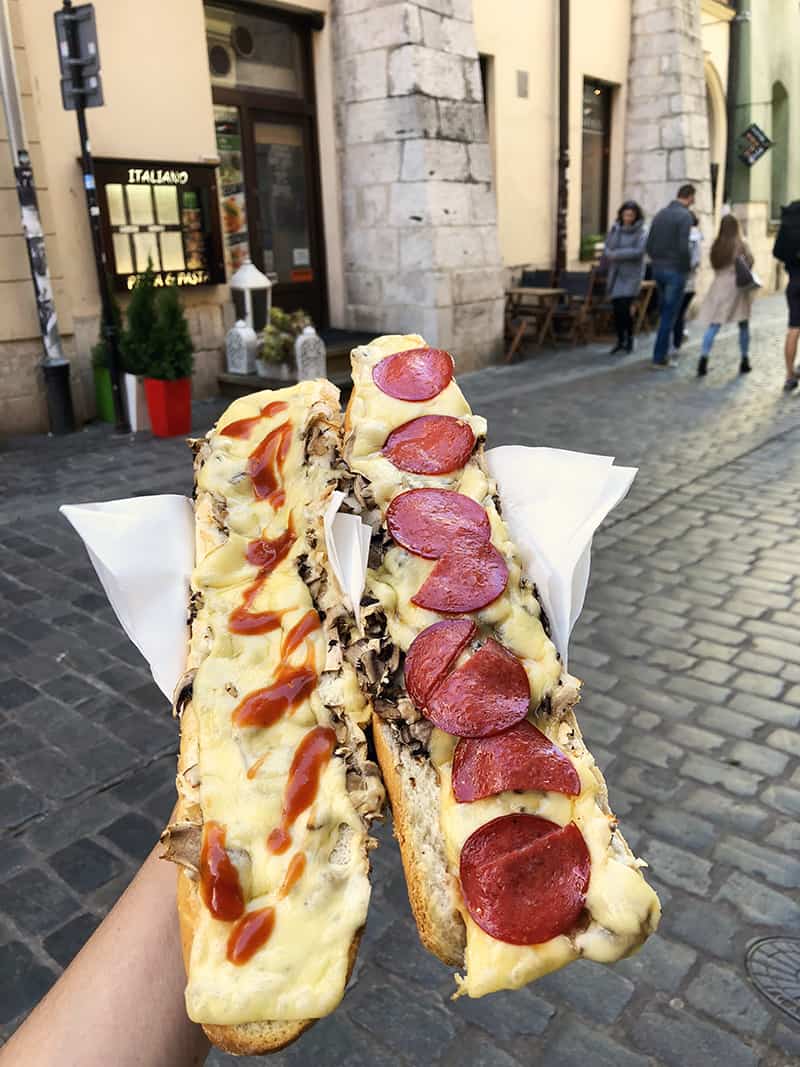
{"points": [[666, 136], [420, 231]]}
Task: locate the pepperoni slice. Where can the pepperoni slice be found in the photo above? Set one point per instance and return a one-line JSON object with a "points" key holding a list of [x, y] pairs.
{"points": [[467, 578], [428, 521], [524, 879], [431, 655], [484, 696], [431, 444], [519, 758], [417, 374]]}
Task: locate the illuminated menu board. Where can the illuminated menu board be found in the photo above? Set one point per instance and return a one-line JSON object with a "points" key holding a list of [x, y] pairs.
{"points": [[164, 213]]}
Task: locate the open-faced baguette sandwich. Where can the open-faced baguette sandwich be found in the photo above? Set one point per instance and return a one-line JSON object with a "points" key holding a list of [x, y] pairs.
{"points": [[275, 788], [513, 859]]}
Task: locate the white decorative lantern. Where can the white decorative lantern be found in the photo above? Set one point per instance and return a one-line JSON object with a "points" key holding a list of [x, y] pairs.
{"points": [[241, 348], [310, 355], [252, 295]]}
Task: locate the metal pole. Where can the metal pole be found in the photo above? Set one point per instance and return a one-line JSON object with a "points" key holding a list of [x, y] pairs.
{"points": [[740, 99], [563, 139], [107, 310], [54, 366]]}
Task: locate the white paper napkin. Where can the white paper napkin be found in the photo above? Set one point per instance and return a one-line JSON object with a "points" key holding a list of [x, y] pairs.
{"points": [[143, 552], [347, 540], [553, 501]]}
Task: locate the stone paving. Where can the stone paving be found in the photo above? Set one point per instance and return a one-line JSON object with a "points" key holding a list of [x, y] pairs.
{"points": [[691, 665]]}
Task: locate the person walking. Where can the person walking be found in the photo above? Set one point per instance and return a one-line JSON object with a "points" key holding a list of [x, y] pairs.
{"points": [[668, 248], [624, 251], [695, 258], [726, 301], [787, 250]]}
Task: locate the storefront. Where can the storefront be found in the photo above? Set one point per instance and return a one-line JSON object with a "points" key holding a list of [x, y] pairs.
{"points": [[207, 151], [262, 77]]}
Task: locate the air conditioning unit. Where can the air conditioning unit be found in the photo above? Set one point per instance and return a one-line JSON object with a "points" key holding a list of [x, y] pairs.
{"points": [[221, 59]]}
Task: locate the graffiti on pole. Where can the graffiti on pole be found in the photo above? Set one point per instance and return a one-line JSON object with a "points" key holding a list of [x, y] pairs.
{"points": [[34, 238]]}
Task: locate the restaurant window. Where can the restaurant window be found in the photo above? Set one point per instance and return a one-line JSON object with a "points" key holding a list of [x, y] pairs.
{"points": [[596, 151], [264, 114]]}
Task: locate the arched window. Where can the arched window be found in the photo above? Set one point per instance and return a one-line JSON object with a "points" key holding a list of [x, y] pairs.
{"points": [[780, 149]]}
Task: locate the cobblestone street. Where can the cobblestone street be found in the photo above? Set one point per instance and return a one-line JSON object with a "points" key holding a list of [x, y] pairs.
{"points": [[689, 654]]}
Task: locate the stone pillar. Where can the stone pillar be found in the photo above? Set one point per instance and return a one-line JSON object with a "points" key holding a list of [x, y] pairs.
{"points": [[420, 233], [666, 136]]}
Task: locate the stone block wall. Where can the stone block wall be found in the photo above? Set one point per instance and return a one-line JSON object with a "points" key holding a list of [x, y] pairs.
{"points": [[666, 136], [420, 247]]}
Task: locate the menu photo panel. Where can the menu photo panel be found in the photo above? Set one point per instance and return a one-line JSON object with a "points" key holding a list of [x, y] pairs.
{"points": [[162, 214]]}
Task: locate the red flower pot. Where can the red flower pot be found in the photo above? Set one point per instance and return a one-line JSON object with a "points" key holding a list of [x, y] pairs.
{"points": [[170, 406]]}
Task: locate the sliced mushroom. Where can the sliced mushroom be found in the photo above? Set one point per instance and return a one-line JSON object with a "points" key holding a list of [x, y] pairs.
{"points": [[182, 844], [183, 693]]}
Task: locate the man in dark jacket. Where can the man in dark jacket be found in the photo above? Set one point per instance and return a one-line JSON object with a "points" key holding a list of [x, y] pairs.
{"points": [[787, 250], [668, 248]]}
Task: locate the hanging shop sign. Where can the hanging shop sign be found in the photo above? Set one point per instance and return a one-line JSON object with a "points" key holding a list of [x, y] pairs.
{"points": [[163, 213], [752, 145]]}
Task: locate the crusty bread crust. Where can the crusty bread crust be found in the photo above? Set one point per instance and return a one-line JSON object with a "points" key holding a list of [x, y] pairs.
{"points": [[348, 421], [413, 787]]}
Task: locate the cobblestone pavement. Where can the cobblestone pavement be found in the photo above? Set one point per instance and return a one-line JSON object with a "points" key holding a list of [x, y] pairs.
{"points": [[689, 653]]}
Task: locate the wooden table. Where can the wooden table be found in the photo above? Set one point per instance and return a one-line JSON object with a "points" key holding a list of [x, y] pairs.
{"points": [[643, 304], [532, 305]]}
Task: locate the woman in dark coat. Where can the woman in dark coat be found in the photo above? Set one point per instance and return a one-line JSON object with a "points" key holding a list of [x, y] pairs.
{"points": [[624, 252]]}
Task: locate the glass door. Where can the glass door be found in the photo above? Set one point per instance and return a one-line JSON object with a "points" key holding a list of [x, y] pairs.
{"points": [[596, 152], [284, 222]]}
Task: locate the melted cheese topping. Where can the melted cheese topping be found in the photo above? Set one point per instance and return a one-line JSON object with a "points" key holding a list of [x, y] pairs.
{"points": [[623, 908], [301, 971]]}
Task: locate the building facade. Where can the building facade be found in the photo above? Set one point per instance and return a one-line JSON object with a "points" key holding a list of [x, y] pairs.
{"points": [[390, 163]]}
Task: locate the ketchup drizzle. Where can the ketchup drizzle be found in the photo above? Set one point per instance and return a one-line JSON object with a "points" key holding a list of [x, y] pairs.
{"points": [[312, 754], [294, 872], [250, 934], [299, 632], [263, 707], [242, 427], [266, 555], [266, 462], [219, 879]]}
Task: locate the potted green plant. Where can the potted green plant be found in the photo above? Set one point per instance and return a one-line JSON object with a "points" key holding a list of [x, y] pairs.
{"points": [[168, 376], [103, 395], [101, 362], [591, 246], [277, 348], [136, 346]]}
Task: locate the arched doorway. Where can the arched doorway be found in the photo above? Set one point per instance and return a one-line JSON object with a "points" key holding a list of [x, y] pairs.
{"points": [[780, 150], [717, 135]]}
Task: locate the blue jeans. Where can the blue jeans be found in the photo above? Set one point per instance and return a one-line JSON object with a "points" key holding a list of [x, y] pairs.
{"points": [[671, 285], [710, 336]]}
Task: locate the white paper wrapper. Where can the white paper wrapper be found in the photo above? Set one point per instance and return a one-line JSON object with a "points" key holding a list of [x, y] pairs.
{"points": [[553, 501], [347, 540], [143, 552]]}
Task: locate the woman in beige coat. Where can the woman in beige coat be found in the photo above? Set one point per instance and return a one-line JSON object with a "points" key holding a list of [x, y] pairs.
{"points": [[725, 301]]}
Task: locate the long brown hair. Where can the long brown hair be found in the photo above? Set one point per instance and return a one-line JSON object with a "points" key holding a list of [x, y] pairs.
{"points": [[728, 242]]}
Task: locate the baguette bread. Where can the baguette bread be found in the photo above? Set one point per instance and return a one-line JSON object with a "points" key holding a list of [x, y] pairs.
{"points": [[409, 431], [273, 871]]}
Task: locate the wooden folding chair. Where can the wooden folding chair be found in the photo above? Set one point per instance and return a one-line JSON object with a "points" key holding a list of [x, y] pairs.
{"points": [[574, 314]]}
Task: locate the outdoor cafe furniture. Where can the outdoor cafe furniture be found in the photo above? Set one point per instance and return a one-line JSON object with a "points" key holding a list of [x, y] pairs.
{"points": [[533, 307]]}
